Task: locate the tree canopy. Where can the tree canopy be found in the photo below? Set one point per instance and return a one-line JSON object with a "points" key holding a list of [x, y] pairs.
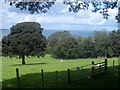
{"points": [[66, 48], [54, 38], [115, 42], [101, 44], [43, 6], [25, 36]]}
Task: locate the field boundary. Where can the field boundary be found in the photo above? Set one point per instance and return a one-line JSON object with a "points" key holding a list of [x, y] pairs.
{"points": [[95, 72]]}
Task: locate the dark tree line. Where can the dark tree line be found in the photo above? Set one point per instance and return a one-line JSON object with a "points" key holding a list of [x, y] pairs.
{"points": [[102, 44], [26, 39]]}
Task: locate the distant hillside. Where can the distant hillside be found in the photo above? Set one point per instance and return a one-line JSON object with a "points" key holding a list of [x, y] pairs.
{"points": [[73, 32], [4, 32], [49, 32]]}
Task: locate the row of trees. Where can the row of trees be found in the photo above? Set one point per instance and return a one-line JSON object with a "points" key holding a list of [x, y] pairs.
{"points": [[26, 39], [101, 44]]}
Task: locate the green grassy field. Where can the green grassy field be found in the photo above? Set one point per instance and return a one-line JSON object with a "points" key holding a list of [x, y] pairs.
{"points": [[30, 74]]}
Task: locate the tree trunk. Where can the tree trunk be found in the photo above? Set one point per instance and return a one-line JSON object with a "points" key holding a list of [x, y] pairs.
{"points": [[105, 54], [23, 58]]}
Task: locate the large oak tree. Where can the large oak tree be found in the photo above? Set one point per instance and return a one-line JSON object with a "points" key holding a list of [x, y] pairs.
{"points": [[25, 39]]}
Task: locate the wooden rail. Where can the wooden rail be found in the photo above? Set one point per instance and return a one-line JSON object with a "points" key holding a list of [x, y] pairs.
{"points": [[99, 68]]}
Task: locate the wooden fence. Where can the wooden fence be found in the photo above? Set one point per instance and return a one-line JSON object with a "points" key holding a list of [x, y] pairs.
{"points": [[96, 70]]}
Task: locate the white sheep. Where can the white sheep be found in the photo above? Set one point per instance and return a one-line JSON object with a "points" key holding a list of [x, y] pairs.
{"points": [[61, 60]]}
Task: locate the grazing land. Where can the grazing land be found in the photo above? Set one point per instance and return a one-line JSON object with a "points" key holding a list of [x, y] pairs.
{"points": [[30, 74]]}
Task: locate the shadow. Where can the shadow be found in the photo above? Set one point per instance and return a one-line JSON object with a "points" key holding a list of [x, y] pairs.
{"points": [[81, 80], [29, 64]]}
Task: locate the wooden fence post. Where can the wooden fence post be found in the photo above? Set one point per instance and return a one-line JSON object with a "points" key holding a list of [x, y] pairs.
{"points": [[106, 66], [69, 76], [113, 63], [78, 71], [57, 78], [42, 79], [18, 80], [92, 69], [119, 68]]}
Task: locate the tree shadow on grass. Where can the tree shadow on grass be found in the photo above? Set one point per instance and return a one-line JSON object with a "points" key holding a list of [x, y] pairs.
{"points": [[29, 64], [109, 80]]}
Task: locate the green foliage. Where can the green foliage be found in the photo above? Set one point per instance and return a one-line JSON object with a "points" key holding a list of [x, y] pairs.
{"points": [[101, 44], [54, 38], [25, 36], [75, 6], [115, 42], [28, 36], [66, 48], [85, 47]]}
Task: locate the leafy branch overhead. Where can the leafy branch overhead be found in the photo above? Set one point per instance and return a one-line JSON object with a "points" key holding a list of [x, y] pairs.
{"points": [[33, 7], [100, 6]]}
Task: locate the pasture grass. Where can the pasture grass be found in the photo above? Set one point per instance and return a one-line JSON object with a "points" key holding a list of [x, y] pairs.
{"points": [[30, 74]]}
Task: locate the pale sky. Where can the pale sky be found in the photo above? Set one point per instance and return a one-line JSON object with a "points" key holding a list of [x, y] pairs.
{"points": [[58, 18]]}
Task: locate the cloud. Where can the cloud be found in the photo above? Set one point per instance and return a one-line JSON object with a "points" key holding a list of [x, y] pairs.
{"points": [[39, 19], [57, 17], [26, 18]]}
